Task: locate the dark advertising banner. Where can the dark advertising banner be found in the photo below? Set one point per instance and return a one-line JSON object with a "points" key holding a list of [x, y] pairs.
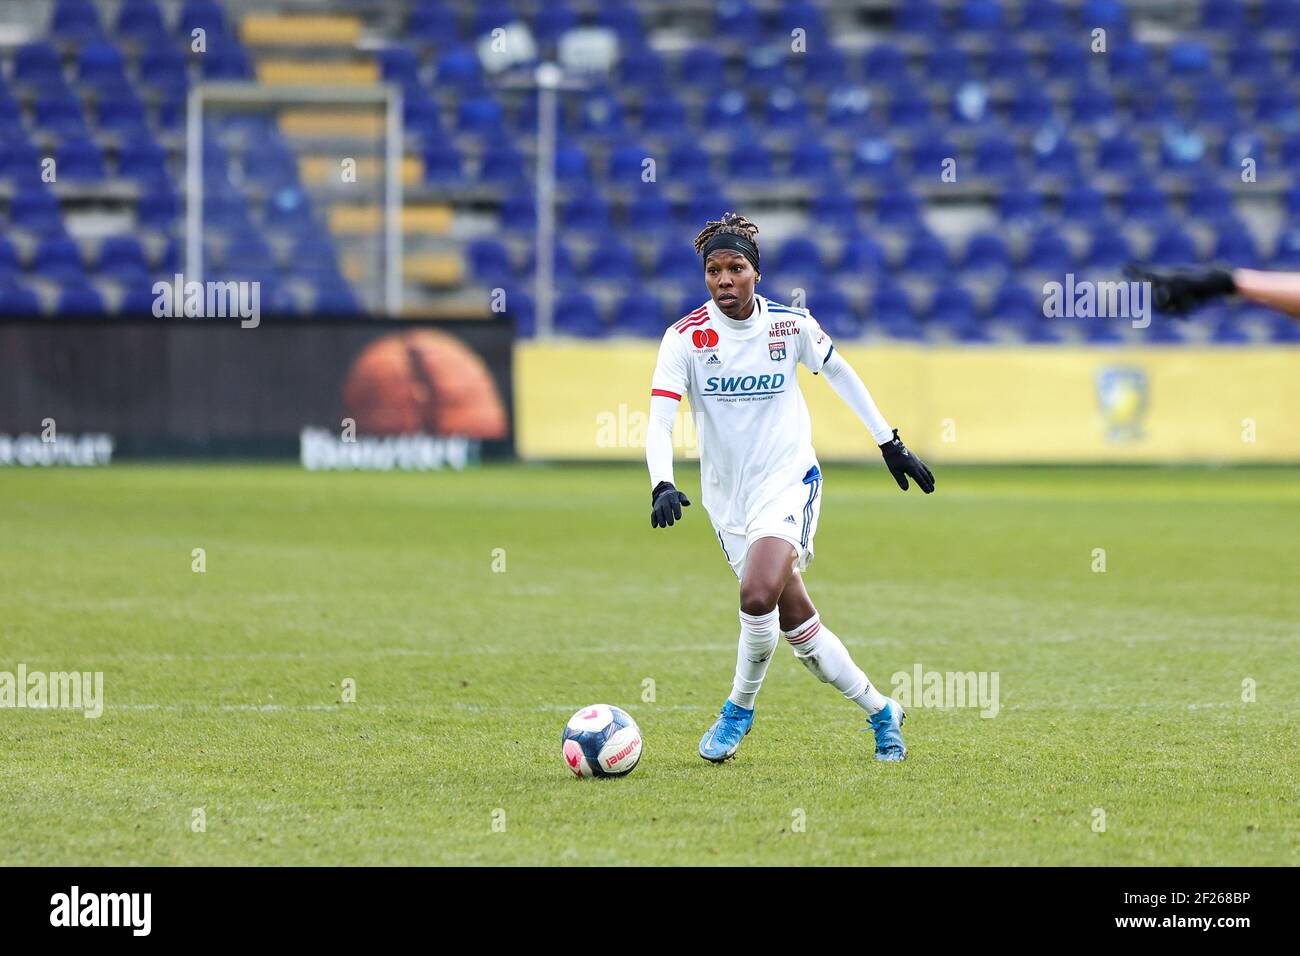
{"points": [[360, 394]]}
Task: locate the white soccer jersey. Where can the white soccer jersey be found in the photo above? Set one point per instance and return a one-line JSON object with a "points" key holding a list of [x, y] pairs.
{"points": [[754, 432]]}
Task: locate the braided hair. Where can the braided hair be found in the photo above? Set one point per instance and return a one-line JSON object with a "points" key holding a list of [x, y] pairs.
{"points": [[730, 224]]}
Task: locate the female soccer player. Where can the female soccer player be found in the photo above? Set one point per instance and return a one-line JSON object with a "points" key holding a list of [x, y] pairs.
{"points": [[736, 357]]}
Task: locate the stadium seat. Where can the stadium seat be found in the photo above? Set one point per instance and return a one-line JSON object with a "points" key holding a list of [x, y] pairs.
{"points": [[676, 261], [898, 209], [1173, 247], [576, 314], [1015, 303], [832, 211], [57, 255], [862, 255], [985, 252], [1108, 250], [141, 21], [489, 261], [458, 68], [953, 305], [925, 255], [812, 161], [800, 255], [79, 298], [649, 212], [76, 20], [875, 158], [833, 312], [640, 312], [80, 160], [662, 113], [37, 211], [205, 15], [1048, 252]]}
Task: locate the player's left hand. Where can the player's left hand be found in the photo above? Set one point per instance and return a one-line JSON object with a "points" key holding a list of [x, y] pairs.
{"points": [[1178, 293], [902, 463]]}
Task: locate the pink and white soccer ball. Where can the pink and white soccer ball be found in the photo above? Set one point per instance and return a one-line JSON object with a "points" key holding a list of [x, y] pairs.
{"points": [[602, 741]]}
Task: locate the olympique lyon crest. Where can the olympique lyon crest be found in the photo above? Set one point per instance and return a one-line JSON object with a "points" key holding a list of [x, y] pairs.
{"points": [[776, 350]]}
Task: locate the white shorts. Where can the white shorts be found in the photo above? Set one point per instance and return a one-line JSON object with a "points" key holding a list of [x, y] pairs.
{"points": [[790, 516]]}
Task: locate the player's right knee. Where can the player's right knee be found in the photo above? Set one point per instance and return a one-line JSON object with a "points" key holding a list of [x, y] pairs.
{"points": [[758, 597]]}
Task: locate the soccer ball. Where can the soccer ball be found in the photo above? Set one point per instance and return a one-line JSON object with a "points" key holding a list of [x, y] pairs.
{"points": [[602, 741]]}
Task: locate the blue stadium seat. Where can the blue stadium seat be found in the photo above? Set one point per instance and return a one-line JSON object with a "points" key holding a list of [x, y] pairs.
{"points": [[227, 61], [163, 67], [649, 212], [38, 64], [1276, 105], [1286, 254], [587, 213], [458, 68], [642, 68], [981, 16], [676, 261], [889, 304], [1083, 203], [799, 255], [101, 63], [431, 21], [689, 163], [700, 67], [898, 208], [1016, 303], [1091, 104], [158, 209], [663, 113], [9, 263], [20, 163], [1279, 14], [1030, 106], [1102, 332], [1130, 61], [802, 15], [1108, 250], [862, 255], [640, 312], [488, 15], [986, 252], [1069, 59], [502, 164], [76, 20], [1213, 103], [739, 21], [1020, 204], [481, 115], [422, 115], [519, 307], [885, 64], [1144, 201], [849, 108], [1110, 15], [489, 261], [783, 109], [1248, 59], [1043, 16], [61, 116], [1009, 62], [728, 111], [749, 161], [205, 15], [19, 300], [57, 255], [946, 63], [925, 254], [79, 298], [1228, 332], [971, 104], [1227, 16], [1235, 246], [80, 160], [953, 305], [552, 19], [996, 156], [875, 158], [36, 210], [1173, 247], [1047, 251], [1164, 331], [1119, 155], [601, 114], [832, 310], [141, 21], [519, 212], [919, 16], [1186, 58], [829, 68], [812, 161], [576, 314], [1041, 332], [909, 106], [831, 209], [612, 256], [1055, 153], [930, 150], [443, 165], [1180, 148], [125, 116], [624, 19], [764, 66], [1240, 145]]}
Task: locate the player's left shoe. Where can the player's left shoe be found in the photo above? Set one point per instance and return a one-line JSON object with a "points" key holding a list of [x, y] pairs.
{"points": [[721, 740], [887, 725]]}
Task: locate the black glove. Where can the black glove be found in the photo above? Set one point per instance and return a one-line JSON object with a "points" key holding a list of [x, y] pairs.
{"points": [[902, 463], [666, 505], [1178, 293]]}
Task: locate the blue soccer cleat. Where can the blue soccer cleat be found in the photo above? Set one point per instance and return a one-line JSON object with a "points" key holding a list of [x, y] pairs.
{"points": [[887, 724], [721, 740]]}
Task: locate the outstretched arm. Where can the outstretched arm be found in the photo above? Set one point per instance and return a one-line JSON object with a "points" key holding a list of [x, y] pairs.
{"points": [[1179, 292]]}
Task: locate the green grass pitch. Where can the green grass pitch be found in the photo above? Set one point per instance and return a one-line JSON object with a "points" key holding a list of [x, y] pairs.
{"points": [[1120, 691]]}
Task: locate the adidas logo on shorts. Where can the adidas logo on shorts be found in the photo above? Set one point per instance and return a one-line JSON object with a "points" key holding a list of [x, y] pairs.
{"points": [[790, 518]]}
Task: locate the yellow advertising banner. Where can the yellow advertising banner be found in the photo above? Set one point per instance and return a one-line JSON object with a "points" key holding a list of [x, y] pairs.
{"points": [[583, 400]]}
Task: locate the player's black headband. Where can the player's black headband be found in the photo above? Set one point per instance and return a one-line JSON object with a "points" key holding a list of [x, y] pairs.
{"points": [[729, 240]]}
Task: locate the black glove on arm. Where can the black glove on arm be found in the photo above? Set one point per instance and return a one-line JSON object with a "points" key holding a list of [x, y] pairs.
{"points": [[902, 463], [1178, 293], [666, 505]]}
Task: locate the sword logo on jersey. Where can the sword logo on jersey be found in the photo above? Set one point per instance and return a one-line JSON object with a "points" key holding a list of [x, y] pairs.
{"points": [[776, 350]]}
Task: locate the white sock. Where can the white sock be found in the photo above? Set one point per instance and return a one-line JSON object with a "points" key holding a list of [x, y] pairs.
{"points": [[759, 635], [819, 650]]}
